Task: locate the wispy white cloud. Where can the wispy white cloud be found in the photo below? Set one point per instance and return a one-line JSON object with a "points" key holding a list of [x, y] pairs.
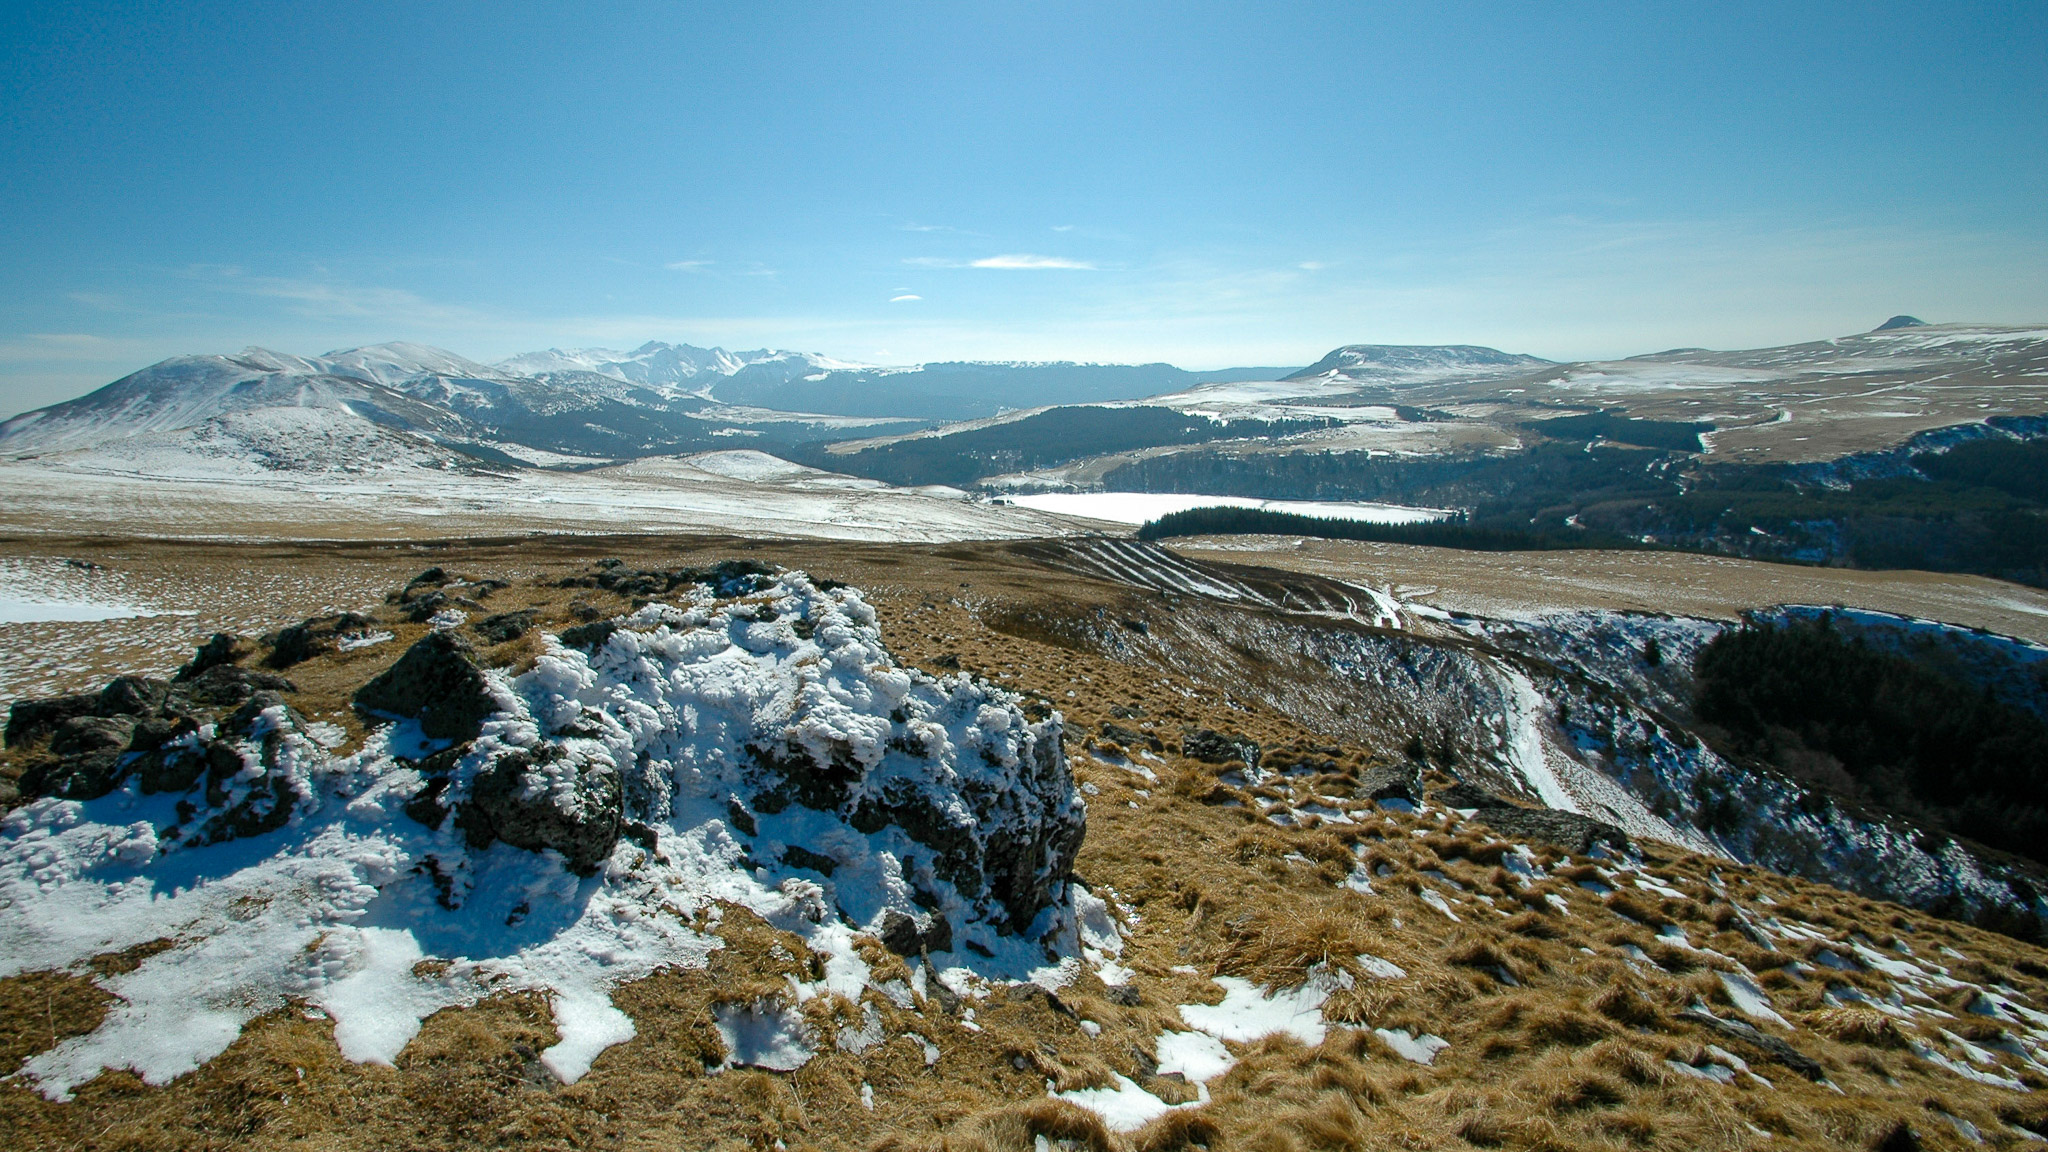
{"points": [[1311, 265], [1026, 260], [906, 297], [329, 300], [104, 301], [686, 265], [1063, 227], [1011, 260]]}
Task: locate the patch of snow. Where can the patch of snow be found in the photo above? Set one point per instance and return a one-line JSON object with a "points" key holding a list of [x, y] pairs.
{"points": [[1710, 1072], [866, 1035], [1421, 1049], [1249, 1011], [1435, 899], [1749, 999], [1380, 969], [764, 1034], [1125, 1107], [1195, 1055]]}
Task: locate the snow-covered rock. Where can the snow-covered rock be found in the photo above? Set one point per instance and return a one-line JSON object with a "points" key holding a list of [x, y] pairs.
{"points": [[748, 742]]}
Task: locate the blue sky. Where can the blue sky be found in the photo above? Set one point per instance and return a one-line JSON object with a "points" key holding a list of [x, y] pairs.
{"points": [[1207, 184]]}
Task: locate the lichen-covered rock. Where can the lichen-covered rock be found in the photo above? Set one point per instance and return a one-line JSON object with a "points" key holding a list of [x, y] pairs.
{"points": [[133, 696], [1567, 830], [92, 734], [1391, 782], [1214, 747], [523, 799], [436, 682]]}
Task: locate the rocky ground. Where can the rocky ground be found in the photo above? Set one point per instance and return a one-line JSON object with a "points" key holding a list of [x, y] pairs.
{"points": [[1283, 927]]}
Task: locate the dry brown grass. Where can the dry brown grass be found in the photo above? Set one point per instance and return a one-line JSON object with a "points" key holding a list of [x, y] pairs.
{"points": [[1277, 948], [1857, 1026], [1573, 1058]]}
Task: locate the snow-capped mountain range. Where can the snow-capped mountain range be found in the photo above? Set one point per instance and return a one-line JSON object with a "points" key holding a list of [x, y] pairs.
{"points": [[404, 400], [411, 402]]}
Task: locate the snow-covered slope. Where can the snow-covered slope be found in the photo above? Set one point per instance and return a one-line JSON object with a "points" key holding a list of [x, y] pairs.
{"points": [[667, 366], [186, 391], [282, 442], [394, 363], [407, 398], [750, 743], [1404, 363]]}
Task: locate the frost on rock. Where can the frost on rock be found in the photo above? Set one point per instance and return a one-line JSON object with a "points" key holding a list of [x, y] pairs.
{"points": [[562, 832]]}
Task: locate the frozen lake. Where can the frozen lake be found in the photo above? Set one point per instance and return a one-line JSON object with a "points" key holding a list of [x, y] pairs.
{"points": [[1138, 507]]}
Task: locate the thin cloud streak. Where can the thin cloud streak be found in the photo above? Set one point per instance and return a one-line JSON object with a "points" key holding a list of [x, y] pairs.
{"points": [[1026, 260]]}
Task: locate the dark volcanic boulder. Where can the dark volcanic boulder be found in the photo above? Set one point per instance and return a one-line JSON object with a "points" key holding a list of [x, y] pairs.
{"points": [[223, 686], [537, 799], [1213, 747], [437, 682], [92, 734], [423, 584], [31, 720], [312, 637], [133, 696], [504, 626], [219, 649], [80, 776], [907, 935], [1567, 830]]}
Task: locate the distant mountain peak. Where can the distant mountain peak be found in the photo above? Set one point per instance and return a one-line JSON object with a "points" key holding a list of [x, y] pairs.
{"points": [[1416, 359], [1900, 321]]}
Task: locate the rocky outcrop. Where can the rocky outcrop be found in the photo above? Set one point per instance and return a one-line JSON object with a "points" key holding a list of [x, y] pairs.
{"points": [[1391, 782], [1567, 830], [313, 636], [778, 713], [1214, 747], [504, 626], [221, 726], [726, 578], [220, 648], [436, 682], [95, 741], [540, 800]]}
